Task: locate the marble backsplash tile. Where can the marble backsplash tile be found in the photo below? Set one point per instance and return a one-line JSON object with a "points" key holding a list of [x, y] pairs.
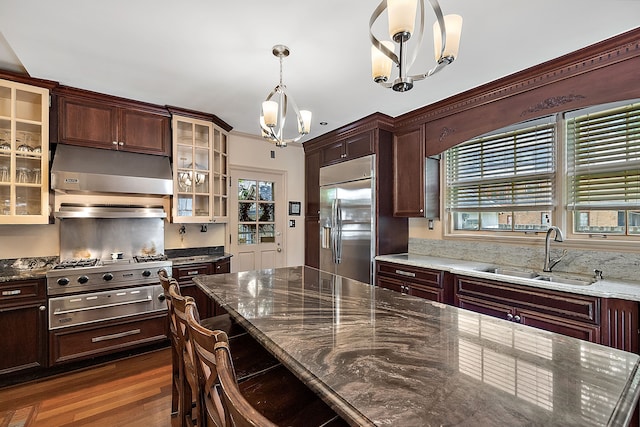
{"points": [[615, 265]]}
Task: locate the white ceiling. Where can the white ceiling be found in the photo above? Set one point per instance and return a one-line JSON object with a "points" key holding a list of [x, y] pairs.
{"points": [[215, 56]]}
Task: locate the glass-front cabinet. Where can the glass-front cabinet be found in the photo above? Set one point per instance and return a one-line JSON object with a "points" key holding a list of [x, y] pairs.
{"points": [[24, 154], [199, 171]]}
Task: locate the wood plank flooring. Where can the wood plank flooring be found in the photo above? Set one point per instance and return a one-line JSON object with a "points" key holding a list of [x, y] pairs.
{"points": [[133, 391]]}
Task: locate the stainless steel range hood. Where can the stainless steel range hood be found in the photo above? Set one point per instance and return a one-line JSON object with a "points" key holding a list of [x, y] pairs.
{"points": [[70, 210], [93, 170]]}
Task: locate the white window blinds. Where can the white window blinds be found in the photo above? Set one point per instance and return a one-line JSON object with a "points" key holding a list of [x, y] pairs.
{"points": [[511, 170], [603, 159]]}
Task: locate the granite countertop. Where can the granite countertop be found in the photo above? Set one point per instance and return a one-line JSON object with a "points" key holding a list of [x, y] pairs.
{"points": [[605, 288], [183, 256], [383, 358], [25, 268]]}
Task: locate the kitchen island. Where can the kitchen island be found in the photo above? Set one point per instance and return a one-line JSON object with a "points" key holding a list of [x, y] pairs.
{"points": [[382, 358]]}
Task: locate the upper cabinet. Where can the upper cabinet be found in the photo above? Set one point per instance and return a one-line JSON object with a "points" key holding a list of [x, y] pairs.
{"points": [[199, 171], [348, 148], [408, 173], [101, 121], [24, 154]]}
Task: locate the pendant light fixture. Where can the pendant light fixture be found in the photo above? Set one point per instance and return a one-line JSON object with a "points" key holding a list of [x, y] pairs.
{"points": [[402, 20], [274, 109]]}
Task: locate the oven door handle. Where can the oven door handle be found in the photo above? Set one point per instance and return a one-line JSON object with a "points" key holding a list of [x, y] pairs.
{"points": [[97, 307]]}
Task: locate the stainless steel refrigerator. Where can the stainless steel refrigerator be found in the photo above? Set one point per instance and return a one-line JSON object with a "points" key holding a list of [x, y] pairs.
{"points": [[347, 218]]}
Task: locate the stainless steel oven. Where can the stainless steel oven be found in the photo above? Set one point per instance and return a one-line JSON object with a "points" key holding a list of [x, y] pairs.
{"points": [[91, 293]]}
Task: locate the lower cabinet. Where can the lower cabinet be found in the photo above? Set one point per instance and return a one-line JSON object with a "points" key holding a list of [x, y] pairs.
{"points": [[97, 339], [23, 326], [608, 321], [420, 282], [185, 273]]}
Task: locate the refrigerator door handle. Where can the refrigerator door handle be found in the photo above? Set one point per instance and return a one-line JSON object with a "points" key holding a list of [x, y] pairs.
{"points": [[338, 226], [334, 210]]}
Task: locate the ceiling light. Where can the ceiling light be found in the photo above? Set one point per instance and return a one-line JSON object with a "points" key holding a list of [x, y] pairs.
{"points": [[402, 20], [274, 110]]}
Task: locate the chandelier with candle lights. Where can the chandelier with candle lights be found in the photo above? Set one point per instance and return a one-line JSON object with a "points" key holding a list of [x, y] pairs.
{"points": [[273, 114], [402, 19]]}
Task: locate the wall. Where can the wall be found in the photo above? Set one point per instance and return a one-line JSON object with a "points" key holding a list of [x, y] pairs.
{"points": [[253, 151], [17, 241]]}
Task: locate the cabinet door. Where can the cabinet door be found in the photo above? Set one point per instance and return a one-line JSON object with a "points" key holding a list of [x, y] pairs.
{"points": [[408, 173], [359, 145], [312, 184], [425, 292], [560, 326], [143, 132], [24, 337], [312, 242], [332, 153], [222, 266], [393, 284], [87, 123], [489, 308], [24, 154]]}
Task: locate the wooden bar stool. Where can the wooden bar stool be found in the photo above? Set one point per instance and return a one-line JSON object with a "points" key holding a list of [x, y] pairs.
{"points": [[189, 400], [272, 397]]}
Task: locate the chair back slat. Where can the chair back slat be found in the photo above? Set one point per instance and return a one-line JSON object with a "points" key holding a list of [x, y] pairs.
{"points": [[204, 341], [239, 412]]}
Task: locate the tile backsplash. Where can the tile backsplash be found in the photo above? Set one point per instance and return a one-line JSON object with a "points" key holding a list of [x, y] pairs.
{"points": [[615, 265]]}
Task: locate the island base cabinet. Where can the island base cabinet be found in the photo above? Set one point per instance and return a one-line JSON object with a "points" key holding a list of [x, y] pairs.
{"points": [[83, 342]]}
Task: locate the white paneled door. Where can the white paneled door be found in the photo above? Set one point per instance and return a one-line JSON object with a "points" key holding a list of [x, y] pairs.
{"points": [[257, 219]]}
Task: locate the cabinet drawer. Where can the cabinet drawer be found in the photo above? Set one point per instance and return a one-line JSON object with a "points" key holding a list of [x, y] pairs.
{"points": [[223, 266], [21, 291], [412, 274], [108, 337], [186, 272], [569, 306]]}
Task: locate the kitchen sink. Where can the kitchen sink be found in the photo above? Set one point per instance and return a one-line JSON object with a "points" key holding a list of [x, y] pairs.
{"points": [[525, 274], [566, 281], [530, 274]]}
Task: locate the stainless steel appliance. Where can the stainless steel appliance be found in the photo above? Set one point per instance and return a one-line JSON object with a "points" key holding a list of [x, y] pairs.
{"points": [[90, 284], [85, 291], [347, 218]]}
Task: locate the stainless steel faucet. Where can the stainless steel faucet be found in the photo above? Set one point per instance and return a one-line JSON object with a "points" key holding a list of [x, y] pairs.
{"points": [[548, 262]]}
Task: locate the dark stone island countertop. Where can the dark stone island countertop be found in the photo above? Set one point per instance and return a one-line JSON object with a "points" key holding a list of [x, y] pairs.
{"points": [[382, 358], [25, 268]]}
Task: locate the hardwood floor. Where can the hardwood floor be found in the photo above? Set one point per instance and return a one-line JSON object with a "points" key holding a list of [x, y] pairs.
{"points": [[134, 391]]}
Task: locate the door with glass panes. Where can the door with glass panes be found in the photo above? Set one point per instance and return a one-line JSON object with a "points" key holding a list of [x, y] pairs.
{"points": [[258, 219]]}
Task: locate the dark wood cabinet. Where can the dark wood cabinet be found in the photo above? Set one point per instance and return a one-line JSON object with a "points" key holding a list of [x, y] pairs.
{"points": [[408, 173], [101, 338], [100, 121], [312, 242], [421, 282], [371, 135], [184, 274], [23, 326], [348, 148], [574, 315], [312, 185]]}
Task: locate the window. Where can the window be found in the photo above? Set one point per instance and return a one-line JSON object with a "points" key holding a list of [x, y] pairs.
{"points": [[503, 181], [603, 162], [256, 212]]}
